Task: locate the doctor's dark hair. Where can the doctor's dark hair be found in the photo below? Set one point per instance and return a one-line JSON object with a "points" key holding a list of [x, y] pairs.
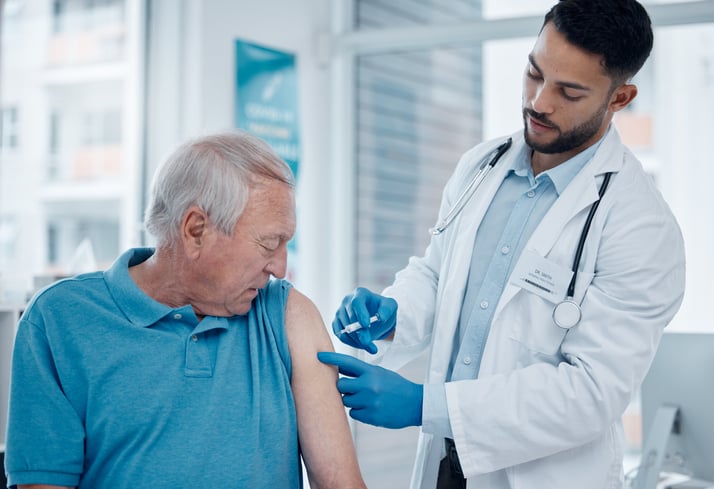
{"points": [[618, 30], [214, 172]]}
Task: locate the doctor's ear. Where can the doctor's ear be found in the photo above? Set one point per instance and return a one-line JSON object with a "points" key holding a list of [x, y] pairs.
{"points": [[622, 96]]}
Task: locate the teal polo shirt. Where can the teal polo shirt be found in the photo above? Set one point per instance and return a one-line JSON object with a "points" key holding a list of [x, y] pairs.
{"points": [[111, 389]]}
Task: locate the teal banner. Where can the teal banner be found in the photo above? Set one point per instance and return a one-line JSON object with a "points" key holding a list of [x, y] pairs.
{"points": [[267, 107], [266, 98]]}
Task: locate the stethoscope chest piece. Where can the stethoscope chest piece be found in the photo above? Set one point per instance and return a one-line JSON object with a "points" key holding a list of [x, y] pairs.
{"points": [[566, 314]]}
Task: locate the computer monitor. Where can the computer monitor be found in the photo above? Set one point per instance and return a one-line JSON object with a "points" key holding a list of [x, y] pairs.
{"points": [[678, 410]]}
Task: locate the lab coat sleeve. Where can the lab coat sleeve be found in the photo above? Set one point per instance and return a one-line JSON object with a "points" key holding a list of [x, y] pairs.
{"points": [[536, 402]]}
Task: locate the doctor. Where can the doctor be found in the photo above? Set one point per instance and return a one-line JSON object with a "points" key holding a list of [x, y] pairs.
{"points": [[518, 395]]}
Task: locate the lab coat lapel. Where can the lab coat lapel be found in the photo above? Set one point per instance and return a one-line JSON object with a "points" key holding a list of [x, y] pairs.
{"points": [[579, 195]]}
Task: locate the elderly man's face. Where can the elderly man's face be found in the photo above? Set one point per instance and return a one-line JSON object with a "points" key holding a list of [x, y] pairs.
{"points": [[233, 268]]}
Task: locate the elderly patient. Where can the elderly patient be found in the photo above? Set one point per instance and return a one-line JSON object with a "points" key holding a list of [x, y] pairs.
{"points": [[184, 365]]}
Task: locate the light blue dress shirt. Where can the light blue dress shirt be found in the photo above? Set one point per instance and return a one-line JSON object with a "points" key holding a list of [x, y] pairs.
{"points": [[518, 207]]}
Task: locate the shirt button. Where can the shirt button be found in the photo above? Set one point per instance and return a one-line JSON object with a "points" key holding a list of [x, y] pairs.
{"points": [[177, 316], [194, 338], [484, 304], [531, 193], [467, 360], [505, 250]]}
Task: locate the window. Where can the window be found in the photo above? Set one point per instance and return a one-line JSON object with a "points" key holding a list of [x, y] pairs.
{"points": [[101, 127], [75, 86], [85, 31], [417, 111], [9, 128], [499, 9], [77, 244], [410, 132], [7, 242], [78, 15]]}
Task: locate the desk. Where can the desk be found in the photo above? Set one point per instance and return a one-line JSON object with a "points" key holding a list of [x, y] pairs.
{"points": [[668, 480], [680, 481]]}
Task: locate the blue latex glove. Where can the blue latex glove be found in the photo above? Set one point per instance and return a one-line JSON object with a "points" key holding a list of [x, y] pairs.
{"points": [[375, 395], [359, 306]]}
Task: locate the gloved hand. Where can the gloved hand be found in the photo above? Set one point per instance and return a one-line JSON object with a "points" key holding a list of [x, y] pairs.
{"points": [[359, 306], [375, 395]]}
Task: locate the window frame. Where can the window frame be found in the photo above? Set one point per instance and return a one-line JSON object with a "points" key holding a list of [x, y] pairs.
{"points": [[348, 44]]}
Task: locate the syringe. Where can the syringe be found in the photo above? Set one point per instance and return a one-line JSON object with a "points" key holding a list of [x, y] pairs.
{"points": [[352, 327]]}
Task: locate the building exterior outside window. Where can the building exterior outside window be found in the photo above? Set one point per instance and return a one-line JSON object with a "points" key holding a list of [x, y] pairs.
{"points": [[70, 186], [8, 128]]}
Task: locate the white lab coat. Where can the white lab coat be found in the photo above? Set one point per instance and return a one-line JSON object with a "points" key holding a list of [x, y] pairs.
{"points": [[545, 410]]}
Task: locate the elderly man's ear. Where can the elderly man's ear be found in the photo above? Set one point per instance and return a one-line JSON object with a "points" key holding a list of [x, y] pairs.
{"points": [[194, 229]]}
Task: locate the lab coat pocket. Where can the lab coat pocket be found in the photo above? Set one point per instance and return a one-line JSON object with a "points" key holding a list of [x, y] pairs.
{"points": [[532, 325], [532, 322]]}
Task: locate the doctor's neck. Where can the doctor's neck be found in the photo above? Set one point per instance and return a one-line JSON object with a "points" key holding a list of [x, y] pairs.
{"points": [[547, 156], [541, 162]]}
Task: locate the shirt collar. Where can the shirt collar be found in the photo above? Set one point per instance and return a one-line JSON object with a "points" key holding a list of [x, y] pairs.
{"points": [[138, 307], [560, 175]]}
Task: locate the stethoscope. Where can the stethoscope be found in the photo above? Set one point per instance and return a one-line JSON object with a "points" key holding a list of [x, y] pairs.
{"points": [[566, 313], [471, 188]]}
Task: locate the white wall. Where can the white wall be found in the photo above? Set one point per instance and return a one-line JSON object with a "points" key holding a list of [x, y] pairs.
{"points": [[191, 91]]}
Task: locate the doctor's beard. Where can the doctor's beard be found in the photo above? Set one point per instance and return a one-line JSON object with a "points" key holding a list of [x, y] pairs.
{"points": [[568, 140]]}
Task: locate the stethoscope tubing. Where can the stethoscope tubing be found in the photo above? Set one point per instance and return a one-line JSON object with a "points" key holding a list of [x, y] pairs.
{"points": [[566, 313], [584, 234], [471, 188]]}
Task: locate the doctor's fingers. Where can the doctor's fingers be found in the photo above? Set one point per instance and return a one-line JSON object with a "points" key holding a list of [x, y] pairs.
{"points": [[349, 386], [342, 319], [346, 338], [359, 400], [346, 364], [368, 387], [387, 310], [363, 337], [366, 416], [362, 304]]}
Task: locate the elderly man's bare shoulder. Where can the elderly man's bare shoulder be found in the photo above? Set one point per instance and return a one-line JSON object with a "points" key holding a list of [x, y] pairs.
{"points": [[302, 318]]}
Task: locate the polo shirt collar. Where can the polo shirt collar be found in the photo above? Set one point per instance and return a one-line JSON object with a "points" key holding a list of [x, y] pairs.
{"points": [[138, 307]]}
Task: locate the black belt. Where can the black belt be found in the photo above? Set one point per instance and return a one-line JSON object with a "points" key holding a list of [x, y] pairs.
{"points": [[450, 474]]}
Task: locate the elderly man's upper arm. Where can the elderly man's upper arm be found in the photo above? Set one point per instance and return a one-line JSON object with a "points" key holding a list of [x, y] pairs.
{"points": [[325, 437]]}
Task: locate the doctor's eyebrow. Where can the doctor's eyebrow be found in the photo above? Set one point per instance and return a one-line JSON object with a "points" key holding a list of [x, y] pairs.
{"points": [[573, 85]]}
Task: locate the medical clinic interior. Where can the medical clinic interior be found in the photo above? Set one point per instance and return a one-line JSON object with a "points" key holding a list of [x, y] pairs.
{"points": [[371, 103]]}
